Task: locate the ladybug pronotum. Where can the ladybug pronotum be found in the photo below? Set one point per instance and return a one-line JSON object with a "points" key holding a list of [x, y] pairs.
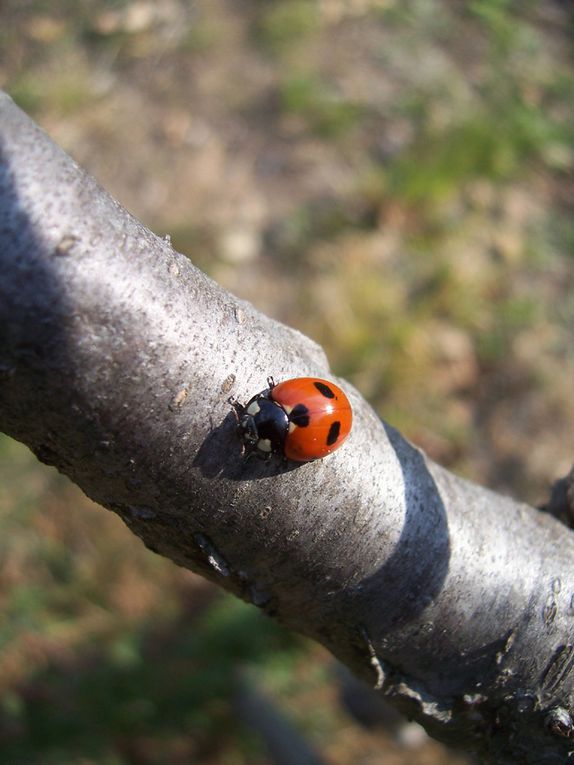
{"points": [[302, 419]]}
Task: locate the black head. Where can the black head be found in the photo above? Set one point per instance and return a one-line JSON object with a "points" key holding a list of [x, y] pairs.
{"points": [[263, 425]]}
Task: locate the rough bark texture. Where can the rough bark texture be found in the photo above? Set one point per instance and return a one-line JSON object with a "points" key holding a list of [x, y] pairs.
{"points": [[117, 357]]}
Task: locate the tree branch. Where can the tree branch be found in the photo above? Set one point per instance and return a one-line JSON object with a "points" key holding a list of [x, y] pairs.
{"points": [[117, 357]]}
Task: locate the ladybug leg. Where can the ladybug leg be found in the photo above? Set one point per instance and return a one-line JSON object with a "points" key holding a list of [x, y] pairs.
{"points": [[250, 451], [247, 452], [238, 409], [270, 383]]}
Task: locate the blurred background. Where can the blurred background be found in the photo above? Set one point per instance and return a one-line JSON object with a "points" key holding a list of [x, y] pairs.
{"points": [[393, 178]]}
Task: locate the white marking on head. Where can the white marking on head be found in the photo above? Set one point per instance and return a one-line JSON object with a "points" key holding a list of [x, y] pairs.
{"points": [[253, 408], [264, 445]]}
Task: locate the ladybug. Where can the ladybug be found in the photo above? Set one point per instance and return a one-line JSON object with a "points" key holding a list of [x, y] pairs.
{"points": [[301, 419]]}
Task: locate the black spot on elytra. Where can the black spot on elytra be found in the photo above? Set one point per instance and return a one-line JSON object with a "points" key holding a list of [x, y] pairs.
{"points": [[324, 389], [333, 434], [300, 416]]}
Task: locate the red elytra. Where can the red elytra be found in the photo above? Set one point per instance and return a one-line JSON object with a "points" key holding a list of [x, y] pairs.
{"points": [[319, 413]]}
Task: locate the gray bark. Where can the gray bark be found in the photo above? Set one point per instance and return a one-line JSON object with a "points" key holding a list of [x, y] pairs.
{"points": [[117, 357]]}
